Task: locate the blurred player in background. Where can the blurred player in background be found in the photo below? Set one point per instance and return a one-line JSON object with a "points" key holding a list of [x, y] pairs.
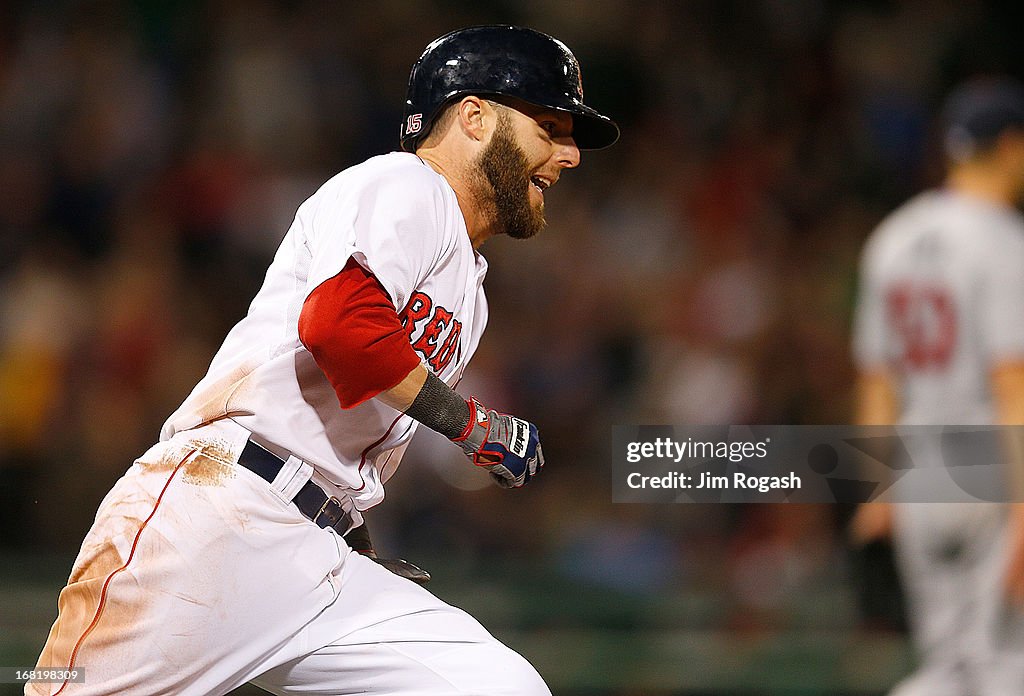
{"points": [[225, 552], [939, 339]]}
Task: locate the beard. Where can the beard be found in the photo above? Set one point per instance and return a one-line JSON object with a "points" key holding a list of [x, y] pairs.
{"points": [[504, 165]]}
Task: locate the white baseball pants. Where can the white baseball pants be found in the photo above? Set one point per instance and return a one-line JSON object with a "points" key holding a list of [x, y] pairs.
{"points": [[952, 558], [199, 576]]}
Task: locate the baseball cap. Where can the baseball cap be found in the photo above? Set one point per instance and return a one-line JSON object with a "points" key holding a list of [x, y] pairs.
{"points": [[979, 111]]}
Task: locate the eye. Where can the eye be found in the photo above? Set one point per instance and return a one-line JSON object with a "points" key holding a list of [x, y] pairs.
{"points": [[549, 127]]}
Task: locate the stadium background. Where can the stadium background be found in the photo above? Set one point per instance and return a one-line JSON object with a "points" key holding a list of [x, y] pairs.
{"points": [[702, 271]]}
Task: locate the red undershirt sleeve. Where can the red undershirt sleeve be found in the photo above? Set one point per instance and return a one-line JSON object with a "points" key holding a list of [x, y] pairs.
{"points": [[354, 334]]}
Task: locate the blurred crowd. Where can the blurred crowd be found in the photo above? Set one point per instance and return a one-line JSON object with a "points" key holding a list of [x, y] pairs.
{"points": [[152, 155]]}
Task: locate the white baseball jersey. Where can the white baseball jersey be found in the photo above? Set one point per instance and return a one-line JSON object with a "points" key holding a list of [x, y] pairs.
{"points": [[400, 220], [942, 300], [199, 575]]}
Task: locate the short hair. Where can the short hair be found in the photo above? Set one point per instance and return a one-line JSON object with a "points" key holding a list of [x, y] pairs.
{"points": [[446, 115], [440, 124]]}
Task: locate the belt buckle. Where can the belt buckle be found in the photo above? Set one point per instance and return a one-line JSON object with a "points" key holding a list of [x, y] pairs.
{"points": [[332, 510]]}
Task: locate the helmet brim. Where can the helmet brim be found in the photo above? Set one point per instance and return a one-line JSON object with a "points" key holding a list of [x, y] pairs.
{"points": [[592, 130]]}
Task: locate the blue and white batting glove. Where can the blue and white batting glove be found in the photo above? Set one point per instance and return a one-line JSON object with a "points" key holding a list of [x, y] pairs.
{"points": [[508, 447]]}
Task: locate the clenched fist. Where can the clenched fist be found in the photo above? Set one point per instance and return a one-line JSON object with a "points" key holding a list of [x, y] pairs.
{"points": [[508, 447]]}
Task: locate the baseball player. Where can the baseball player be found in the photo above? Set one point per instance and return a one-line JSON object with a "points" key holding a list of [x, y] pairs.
{"points": [[220, 557], [939, 339]]}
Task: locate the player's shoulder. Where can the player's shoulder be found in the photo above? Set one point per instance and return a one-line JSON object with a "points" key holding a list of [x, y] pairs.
{"points": [[971, 227], [402, 174], [920, 210]]}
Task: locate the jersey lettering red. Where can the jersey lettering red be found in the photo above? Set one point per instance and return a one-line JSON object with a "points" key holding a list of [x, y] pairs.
{"points": [[924, 320], [437, 338], [427, 343], [444, 356], [417, 309]]}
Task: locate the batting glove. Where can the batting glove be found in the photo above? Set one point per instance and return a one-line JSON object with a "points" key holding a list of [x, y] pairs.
{"points": [[508, 447]]}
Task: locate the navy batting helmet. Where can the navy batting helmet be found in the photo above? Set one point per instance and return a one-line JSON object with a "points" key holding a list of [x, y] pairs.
{"points": [[979, 111], [501, 60]]}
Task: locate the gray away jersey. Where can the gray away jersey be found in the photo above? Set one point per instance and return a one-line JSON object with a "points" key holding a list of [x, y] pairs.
{"points": [[941, 302]]}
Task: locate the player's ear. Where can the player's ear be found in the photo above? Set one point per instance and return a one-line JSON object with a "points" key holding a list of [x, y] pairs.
{"points": [[475, 116]]}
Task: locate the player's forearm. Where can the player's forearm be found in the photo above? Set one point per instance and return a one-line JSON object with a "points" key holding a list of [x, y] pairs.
{"points": [[425, 398], [876, 403], [401, 396], [508, 447]]}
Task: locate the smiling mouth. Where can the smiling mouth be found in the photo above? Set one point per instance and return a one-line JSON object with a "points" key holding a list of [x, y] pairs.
{"points": [[540, 183]]}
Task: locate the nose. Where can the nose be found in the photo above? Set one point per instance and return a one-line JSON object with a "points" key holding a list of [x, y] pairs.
{"points": [[567, 154]]}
